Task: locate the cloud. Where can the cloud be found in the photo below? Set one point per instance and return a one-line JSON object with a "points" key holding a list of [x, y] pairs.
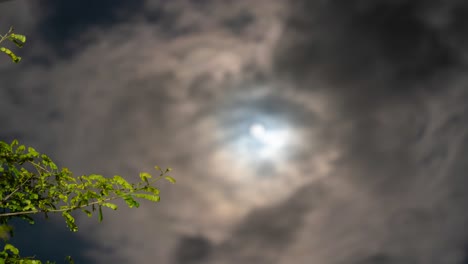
{"points": [[393, 72], [192, 249], [64, 25], [267, 233], [372, 92], [133, 93], [383, 49]]}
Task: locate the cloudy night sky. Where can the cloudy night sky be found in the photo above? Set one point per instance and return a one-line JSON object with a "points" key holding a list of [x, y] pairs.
{"points": [[299, 131]]}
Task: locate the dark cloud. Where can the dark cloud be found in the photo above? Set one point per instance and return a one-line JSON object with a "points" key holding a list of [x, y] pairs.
{"points": [[380, 259], [394, 72], [373, 49], [192, 250], [239, 22], [64, 24], [376, 58], [265, 234]]}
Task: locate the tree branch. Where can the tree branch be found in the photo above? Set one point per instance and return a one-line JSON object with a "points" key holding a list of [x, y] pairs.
{"points": [[58, 210]]}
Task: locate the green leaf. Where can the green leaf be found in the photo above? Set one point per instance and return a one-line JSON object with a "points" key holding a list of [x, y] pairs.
{"points": [[88, 213], [121, 181], [20, 149], [110, 205], [97, 177], [63, 197], [8, 52], [151, 189], [144, 176], [130, 201], [70, 221], [100, 213], [149, 197], [33, 152], [33, 262], [18, 39], [29, 207], [170, 179], [53, 166], [11, 248]]}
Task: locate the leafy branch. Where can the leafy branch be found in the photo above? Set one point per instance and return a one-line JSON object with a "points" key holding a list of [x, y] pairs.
{"points": [[31, 183], [46, 189]]}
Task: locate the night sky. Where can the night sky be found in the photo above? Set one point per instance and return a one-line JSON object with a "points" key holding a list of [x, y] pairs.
{"points": [[299, 131]]}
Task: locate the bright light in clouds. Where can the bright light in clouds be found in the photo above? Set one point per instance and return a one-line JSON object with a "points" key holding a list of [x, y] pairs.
{"points": [[258, 131], [269, 141]]}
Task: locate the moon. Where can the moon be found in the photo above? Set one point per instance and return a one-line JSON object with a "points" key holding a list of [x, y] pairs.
{"points": [[269, 141], [258, 131]]}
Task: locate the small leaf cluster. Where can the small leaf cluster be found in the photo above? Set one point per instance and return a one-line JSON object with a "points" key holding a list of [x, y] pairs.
{"points": [[17, 39], [31, 183]]}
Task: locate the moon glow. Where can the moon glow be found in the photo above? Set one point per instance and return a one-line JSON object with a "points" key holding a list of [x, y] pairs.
{"points": [[267, 142]]}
